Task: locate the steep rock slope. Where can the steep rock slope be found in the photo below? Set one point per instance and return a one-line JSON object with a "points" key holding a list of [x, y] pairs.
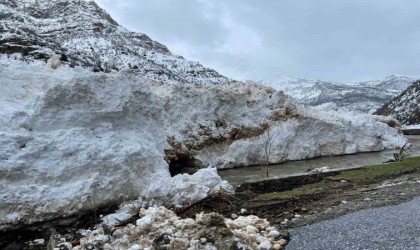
{"points": [[405, 107], [84, 34], [361, 96]]}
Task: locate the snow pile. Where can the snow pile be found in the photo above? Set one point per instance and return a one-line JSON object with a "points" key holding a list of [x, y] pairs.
{"points": [[160, 228], [70, 144], [180, 191], [231, 131], [73, 140]]}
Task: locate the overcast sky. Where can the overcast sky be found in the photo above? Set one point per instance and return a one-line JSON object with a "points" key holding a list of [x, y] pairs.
{"points": [[345, 40]]}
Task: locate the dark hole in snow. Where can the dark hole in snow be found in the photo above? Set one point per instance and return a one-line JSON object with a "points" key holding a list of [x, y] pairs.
{"points": [[182, 166]]}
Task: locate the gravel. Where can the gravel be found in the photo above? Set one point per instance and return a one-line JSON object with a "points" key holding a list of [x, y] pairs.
{"points": [[392, 227]]}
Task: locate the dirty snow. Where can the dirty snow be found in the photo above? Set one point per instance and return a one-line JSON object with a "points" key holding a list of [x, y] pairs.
{"points": [[73, 140]]}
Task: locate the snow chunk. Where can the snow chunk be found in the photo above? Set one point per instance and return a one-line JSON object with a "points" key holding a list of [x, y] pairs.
{"points": [[159, 227]]}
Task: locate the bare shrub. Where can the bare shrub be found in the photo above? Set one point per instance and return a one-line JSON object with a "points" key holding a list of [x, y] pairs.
{"points": [[268, 138]]}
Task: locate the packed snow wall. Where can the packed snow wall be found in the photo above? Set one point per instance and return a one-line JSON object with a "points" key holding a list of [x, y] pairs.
{"points": [[73, 140]]}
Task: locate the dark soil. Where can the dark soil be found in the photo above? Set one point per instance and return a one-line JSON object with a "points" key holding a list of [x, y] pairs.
{"points": [[23, 238], [340, 200]]}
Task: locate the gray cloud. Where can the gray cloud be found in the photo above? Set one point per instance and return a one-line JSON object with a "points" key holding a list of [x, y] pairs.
{"points": [[347, 40]]}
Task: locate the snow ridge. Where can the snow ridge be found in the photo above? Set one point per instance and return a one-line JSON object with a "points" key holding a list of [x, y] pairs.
{"points": [[360, 96]]}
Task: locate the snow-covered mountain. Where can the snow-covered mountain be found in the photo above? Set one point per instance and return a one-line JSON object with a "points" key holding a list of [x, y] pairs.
{"points": [[362, 96], [405, 107], [84, 34], [72, 139]]}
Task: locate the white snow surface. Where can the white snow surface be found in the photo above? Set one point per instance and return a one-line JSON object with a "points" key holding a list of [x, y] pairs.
{"points": [[416, 126], [73, 140]]}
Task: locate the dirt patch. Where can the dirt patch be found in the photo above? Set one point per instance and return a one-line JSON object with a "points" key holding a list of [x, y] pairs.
{"points": [[25, 238], [219, 203], [336, 195]]}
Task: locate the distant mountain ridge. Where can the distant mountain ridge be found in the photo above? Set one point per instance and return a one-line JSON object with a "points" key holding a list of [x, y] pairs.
{"points": [[364, 96], [405, 107], [85, 35]]}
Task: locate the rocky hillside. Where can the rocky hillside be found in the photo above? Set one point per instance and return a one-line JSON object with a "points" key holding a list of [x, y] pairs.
{"points": [[85, 35], [362, 96], [405, 107]]}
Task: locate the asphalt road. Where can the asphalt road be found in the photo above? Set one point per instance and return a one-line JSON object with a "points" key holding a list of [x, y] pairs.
{"points": [[392, 227]]}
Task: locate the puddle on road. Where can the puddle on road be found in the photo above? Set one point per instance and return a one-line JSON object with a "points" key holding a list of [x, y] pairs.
{"points": [[237, 176]]}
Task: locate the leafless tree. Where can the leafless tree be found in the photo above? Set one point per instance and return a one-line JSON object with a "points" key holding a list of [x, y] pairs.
{"points": [[268, 138]]}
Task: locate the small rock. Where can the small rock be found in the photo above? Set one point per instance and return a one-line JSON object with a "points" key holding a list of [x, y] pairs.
{"points": [[244, 211], [54, 62], [344, 202], [234, 216], [367, 199], [211, 219], [304, 209], [283, 242], [265, 244], [108, 246], [277, 247], [135, 247], [162, 239], [274, 234], [89, 246], [284, 234], [65, 246], [203, 240], [343, 181], [298, 215], [39, 242], [180, 243], [250, 228]]}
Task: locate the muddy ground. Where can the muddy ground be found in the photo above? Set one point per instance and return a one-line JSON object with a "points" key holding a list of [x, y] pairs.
{"points": [[300, 211]]}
